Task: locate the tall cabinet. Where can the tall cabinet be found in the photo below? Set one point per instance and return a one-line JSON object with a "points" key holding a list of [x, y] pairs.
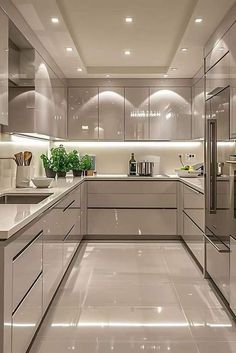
{"points": [[198, 109], [232, 46], [3, 68]]}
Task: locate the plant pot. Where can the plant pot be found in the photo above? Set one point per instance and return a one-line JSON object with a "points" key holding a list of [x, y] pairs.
{"points": [[89, 172], [61, 174], [77, 173], [50, 173]]}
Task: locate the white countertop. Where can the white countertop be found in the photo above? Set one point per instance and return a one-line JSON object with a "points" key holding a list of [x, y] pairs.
{"points": [[13, 217]]}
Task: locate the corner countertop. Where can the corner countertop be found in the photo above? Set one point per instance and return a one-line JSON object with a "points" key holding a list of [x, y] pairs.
{"points": [[14, 217]]}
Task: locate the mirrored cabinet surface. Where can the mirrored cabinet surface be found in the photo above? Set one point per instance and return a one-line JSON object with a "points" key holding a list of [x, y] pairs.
{"points": [[170, 113], [83, 113], [136, 113], [111, 113]]}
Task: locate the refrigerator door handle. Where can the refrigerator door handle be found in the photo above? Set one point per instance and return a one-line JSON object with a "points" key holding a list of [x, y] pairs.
{"points": [[212, 164]]}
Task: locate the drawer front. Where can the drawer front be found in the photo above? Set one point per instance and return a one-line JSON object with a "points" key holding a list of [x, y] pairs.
{"points": [[59, 222], [221, 48], [194, 238], [26, 319], [71, 242], [25, 269], [52, 269], [72, 200], [217, 265], [132, 222], [194, 206], [132, 200], [131, 187]]}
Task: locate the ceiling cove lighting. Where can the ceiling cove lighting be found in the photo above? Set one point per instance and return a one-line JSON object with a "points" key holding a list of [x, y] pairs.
{"points": [[127, 52], [55, 20], [69, 49], [198, 20], [128, 19]]}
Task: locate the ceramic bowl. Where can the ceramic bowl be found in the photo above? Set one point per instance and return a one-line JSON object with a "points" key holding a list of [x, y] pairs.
{"points": [[42, 182]]}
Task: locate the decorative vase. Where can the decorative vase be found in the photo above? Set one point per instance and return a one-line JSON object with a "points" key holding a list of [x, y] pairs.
{"points": [[61, 174], [50, 173], [77, 173]]}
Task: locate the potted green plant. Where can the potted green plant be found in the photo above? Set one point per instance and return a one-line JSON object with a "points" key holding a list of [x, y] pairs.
{"points": [[48, 166], [60, 161], [75, 163], [86, 164]]}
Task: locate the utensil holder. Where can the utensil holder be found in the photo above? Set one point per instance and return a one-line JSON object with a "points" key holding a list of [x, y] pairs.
{"points": [[22, 176]]}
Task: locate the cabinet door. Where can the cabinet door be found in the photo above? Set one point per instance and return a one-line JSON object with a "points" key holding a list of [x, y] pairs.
{"points": [[219, 50], [217, 78], [136, 113], [111, 113], [233, 81], [59, 96], [198, 109], [194, 238], [3, 69], [171, 113], [233, 274], [83, 113]]}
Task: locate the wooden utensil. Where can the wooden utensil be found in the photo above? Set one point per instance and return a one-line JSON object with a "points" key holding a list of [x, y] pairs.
{"points": [[27, 158], [19, 158]]}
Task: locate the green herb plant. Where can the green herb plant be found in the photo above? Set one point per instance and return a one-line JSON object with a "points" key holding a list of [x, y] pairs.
{"points": [[86, 162], [60, 160], [74, 160]]}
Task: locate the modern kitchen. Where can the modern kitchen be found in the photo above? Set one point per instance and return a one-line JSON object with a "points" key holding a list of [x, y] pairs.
{"points": [[118, 176]]}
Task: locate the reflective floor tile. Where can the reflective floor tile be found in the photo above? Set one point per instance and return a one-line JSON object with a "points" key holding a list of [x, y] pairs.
{"points": [[197, 295], [216, 347]]}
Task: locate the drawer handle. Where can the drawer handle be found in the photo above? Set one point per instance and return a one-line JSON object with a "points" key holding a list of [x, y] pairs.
{"points": [[68, 234], [66, 208], [226, 250], [28, 245]]}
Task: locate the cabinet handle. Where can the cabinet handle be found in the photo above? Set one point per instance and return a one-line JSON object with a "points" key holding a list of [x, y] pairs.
{"points": [[68, 234], [66, 208], [226, 250], [28, 245]]}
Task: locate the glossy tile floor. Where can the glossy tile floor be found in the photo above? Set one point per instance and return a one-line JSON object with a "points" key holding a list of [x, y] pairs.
{"points": [[135, 297]]}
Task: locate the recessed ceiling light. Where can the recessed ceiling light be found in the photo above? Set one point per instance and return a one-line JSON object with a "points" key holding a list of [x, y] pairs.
{"points": [[127, 52], [108, 75], [69, 49], [165, 75], [79, 69], [221, 48], [128, 19], [184, 49], [174, 68], [198, 20], [55, 20]]}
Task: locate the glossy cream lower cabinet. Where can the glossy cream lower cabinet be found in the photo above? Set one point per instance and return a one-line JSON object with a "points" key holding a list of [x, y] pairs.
{"points": [[194, 238], [27, 317], [136, 222]]}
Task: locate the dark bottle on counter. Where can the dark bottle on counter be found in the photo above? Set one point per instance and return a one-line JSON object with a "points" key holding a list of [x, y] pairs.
{"points": [[132, 165]]}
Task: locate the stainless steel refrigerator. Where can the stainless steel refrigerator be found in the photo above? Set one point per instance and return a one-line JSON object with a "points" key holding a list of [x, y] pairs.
{"points": [[217, 188]]}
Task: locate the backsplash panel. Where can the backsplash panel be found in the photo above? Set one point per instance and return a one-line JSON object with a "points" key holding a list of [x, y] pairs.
{"points": [[11, 144], [113, 157]]}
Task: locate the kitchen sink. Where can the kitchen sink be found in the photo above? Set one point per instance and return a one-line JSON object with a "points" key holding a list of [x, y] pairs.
{"points": [[22, 198]]}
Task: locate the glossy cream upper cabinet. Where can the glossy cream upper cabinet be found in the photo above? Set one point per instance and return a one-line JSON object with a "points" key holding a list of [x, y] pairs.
{"points": [[136, 113], [232, 47], [111, 113], [3, 68], [198, 109], [83, 113], [170, 113]]}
